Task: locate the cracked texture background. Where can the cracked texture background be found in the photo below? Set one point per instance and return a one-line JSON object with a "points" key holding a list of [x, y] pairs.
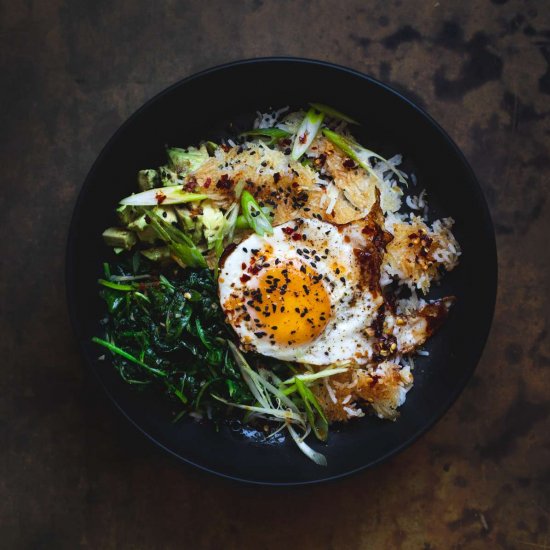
{"points": [[73, 473]]}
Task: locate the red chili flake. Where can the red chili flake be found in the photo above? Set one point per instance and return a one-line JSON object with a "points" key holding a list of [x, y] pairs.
{"points": [[288, 230], [191, 184], [245, 278], [224, 182], [207, 183], [225, 147], [286, 142], [296, 237], [160, 197], [243, 266], [303, 137], [254, 269], [295, 184]]}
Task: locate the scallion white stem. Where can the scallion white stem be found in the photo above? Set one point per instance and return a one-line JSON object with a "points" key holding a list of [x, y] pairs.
{"points": [[162, 196], [306, 133], [316, 375]]}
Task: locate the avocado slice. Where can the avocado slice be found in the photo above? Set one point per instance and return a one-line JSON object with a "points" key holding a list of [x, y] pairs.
{"points": [[148, 179], [119, 238], [157, 253]]}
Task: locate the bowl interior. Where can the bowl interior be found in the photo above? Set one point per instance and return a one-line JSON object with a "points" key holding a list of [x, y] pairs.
{"points": [[220, 102]]}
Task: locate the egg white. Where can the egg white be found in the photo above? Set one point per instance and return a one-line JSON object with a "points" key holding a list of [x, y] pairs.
{"points": [[353, 305]]}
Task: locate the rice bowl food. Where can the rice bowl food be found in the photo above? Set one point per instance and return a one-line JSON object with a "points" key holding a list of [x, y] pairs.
{"points": [[279, 277]]}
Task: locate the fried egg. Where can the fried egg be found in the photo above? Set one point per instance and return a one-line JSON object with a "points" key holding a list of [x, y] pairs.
{"points": [[304, 293]]}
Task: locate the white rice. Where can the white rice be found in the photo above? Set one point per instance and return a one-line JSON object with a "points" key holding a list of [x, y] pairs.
{"points": [[416, 202], [269, 119], [354, 412], [406, 306], [330, 391], [332, 194]]}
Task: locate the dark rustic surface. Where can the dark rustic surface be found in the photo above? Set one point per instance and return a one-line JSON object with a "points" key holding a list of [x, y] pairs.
{"points": [[73, 473]]}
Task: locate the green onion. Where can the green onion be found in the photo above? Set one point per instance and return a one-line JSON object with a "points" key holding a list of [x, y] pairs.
{"points": [[254, 215], [269, 412], [241, 222], [316, 375], [164, 196], [318, 458], [306, 133], [274, 404], [211, 147], [290, 390], [333, 113], [359, 154], [274, 133], [262, 390], [317, 421]]}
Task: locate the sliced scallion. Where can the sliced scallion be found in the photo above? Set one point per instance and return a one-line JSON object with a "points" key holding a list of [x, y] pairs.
{"points": [[254, 215], [266, 412], [309, 377], [306, 133], [359, 154], [164, 197], [275, 134], [315, 415], [333, 113], [318, 458]]}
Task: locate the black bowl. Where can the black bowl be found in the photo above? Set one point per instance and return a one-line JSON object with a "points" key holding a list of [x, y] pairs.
{"points": [[224, 98]]}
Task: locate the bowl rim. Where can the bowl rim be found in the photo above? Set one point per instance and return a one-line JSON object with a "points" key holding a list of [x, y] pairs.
{"points": [[487, 221]]}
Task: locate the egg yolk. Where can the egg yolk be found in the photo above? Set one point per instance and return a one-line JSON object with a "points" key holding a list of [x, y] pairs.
{"points": [[294, 307]]}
